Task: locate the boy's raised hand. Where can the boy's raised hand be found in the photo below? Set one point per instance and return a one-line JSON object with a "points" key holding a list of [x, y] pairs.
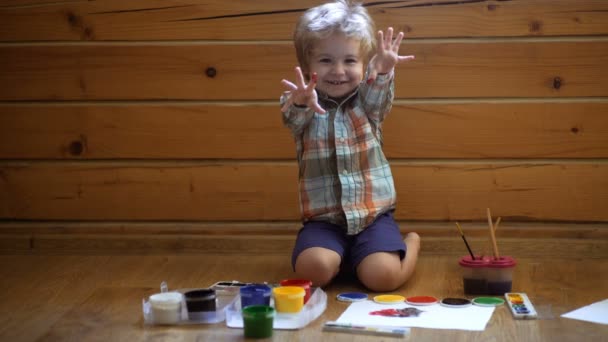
{"points": [[302, 94], [387, 54]]}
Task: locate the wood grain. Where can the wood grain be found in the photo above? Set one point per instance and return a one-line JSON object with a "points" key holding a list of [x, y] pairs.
{"points": [[252, 71], [573, 191], [95, 298], [527, 239], [275, 19], [255, 131]]}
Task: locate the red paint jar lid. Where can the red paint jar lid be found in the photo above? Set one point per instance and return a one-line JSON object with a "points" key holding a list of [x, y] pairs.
{"points": [[296, 282]]}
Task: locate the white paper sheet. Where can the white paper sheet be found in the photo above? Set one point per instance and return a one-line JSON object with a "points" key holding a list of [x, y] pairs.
{"points": [[434, 316], [596, 313]]}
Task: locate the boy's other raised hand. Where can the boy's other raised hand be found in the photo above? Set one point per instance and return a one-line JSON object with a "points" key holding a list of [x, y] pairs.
{"points": [[387, 54], [302, 94]]}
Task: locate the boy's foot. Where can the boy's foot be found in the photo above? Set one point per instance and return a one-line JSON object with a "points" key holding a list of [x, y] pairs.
{"points": [[412, 241]]}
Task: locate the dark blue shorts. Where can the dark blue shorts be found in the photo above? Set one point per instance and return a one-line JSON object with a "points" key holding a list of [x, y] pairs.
{"points": [[382, 235]]}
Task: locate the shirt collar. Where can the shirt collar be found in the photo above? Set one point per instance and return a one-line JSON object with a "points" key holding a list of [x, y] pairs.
{"points": [[326, 101]]}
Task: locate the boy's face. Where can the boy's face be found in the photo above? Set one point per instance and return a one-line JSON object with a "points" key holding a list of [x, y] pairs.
{"points": [[338, 63]]}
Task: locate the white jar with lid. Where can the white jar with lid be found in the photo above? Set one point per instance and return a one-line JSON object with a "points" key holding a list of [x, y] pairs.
{"points": [[166, 307]]}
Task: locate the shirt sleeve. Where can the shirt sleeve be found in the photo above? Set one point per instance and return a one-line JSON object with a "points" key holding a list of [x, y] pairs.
{"points": [[296, 118], [377, 97]]}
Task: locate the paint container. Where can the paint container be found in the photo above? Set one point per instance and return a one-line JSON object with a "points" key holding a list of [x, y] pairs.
{"points": [[288, 299], [303, 283], [200, 304], [474, 274], [258, 320], [166, 307], [255, 294], [487, 275], [499, 275]]}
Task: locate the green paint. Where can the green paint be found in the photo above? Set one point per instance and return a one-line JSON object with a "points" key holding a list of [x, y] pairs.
{"points": [[488, 301]]}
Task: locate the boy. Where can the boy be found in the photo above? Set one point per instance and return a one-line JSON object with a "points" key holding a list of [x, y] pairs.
{"points": [[347, 194]]}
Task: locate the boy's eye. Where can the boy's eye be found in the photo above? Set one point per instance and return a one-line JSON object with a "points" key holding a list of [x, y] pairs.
{"points": [[351, 61], [325, 60]]}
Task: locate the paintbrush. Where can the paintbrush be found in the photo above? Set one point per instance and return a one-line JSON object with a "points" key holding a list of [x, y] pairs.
{"points": [[465, 241], [492, 236]]}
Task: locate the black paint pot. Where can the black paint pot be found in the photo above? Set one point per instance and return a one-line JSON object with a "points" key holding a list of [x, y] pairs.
{"points": [[200, 304]]}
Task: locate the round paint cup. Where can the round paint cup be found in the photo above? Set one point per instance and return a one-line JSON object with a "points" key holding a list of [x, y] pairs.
{"points": [[474, 274], [288, 299], [200, 304], [166, 307], [499, 275], [258, 320], [303, 283], [255, 294]]}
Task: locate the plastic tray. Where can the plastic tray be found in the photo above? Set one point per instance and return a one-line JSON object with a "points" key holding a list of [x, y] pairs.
{"points": [[315, 306], [222, 302]]}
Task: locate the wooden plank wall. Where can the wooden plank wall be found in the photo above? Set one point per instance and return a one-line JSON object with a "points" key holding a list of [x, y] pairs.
{"points": [[151, 125]]}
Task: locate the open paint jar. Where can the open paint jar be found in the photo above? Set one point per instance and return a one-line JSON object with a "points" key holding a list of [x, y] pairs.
{"points": [[255, 294], [487, 275], [303, 283], [200, 304], [288, 299], [258, 321], [166, 307]]}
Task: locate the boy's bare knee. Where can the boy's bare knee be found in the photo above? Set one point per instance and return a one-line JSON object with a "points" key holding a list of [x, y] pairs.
{"points": [[380, 279], [381, 272], [317, 265]]}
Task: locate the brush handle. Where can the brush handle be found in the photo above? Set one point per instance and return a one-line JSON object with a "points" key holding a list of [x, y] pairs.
{"points": [[469, 248], [496, 254]]}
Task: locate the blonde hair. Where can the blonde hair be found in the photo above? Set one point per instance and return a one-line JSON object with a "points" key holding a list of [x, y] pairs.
{"points": [[342, 16]]}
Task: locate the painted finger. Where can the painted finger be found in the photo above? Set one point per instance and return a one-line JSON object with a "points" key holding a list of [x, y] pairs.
{"points": [[371, 76], [313, 82]]}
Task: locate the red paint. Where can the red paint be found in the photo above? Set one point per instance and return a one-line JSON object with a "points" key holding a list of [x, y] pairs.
{"points": [[422, 300], [405, 312]]}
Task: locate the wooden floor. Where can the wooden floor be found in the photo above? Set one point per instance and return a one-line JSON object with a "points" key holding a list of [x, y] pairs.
{"points": [[98, 298]]}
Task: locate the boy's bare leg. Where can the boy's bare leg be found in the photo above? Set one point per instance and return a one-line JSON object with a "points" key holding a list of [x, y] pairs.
{"points": [[383, 272], [317, 264]]}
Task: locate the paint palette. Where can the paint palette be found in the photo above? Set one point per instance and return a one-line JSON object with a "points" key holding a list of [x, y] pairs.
{"points": [[389, 299], [421, 300], [520, 305], [455, 302], [488, 301], [351, 297]]}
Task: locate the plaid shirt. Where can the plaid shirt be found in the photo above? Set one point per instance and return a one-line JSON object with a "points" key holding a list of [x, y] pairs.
{"points": [[344, 177]]}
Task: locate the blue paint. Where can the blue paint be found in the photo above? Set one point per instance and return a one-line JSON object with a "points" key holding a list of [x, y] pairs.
{"points": [[351, 296]]}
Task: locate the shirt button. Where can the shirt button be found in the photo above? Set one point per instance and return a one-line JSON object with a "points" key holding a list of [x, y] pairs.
{"points": [[342, 139], [345, 172]]}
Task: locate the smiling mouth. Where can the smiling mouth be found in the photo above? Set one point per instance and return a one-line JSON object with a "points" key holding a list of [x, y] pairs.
{"points": [[336, 82]]}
